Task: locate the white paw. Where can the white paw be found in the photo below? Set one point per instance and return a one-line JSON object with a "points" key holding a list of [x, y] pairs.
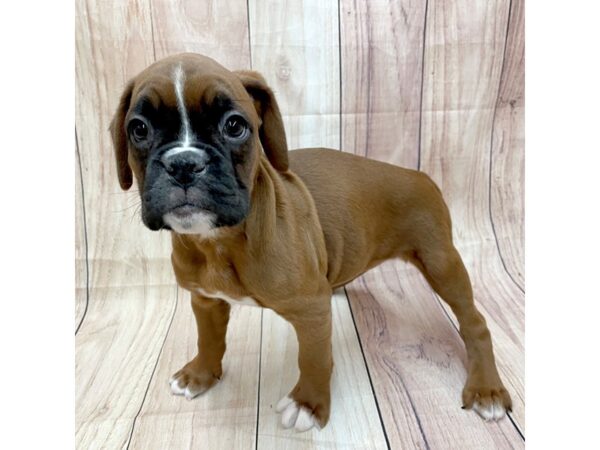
{"points": [[294, 415], [493, 411], [177, 389]]}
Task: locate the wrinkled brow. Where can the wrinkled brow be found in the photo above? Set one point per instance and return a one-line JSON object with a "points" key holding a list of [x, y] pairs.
{"points": [[145, 105], [149, 98], [222, 101]]}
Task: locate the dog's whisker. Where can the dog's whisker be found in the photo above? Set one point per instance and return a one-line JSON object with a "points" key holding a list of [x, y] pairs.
{"points": [[116, 211], [135, 212], [126, 193]]}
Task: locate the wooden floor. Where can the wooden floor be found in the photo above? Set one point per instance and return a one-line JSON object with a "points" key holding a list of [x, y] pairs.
{"points": [[435, 85]]}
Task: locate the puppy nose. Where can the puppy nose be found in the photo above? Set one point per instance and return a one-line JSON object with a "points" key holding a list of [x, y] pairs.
{"points": [[184, 166]]}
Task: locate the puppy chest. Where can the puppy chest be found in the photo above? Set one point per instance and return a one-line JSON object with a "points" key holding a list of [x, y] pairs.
{"points": [[249, 301], [215, 283], [210, 271]]}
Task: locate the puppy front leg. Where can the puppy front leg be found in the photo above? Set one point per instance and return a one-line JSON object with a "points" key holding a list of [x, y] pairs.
{"points": [[308, 404], [202, 372]]}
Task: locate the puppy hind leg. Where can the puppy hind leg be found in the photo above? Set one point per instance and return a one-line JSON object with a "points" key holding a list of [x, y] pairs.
{"points": [[444, 270]]}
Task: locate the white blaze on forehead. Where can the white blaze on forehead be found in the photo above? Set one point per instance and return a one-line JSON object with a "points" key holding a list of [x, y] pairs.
{"points": [[179, 82]]}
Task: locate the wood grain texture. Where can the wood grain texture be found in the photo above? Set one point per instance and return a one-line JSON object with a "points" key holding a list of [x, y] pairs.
{"points": [[463, 65], [295, 46], [105, 29], [115, 360], [508, 151], [81, 269], [381, 67], [215, 28], [354, 422]]}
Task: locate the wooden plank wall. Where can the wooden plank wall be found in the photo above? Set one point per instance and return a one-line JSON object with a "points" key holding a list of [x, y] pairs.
{"points": [[435, 85]]}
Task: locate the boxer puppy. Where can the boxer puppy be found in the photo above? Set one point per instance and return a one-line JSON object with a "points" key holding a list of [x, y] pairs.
{"points": [[254, 224]]}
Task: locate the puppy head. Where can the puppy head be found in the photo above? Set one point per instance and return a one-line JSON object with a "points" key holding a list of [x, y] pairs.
{"points": [[191, 133]]}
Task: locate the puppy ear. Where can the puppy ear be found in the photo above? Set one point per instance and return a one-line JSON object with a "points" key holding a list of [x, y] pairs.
{"points": [[271, 132], [119, 138]]}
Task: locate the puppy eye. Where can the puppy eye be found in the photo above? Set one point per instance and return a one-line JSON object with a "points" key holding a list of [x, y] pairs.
{"points": [[235, 127], [138, 131]]}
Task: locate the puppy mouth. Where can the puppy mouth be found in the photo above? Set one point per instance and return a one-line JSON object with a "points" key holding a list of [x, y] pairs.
{"points": [[185, 210], [188, 218]]}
